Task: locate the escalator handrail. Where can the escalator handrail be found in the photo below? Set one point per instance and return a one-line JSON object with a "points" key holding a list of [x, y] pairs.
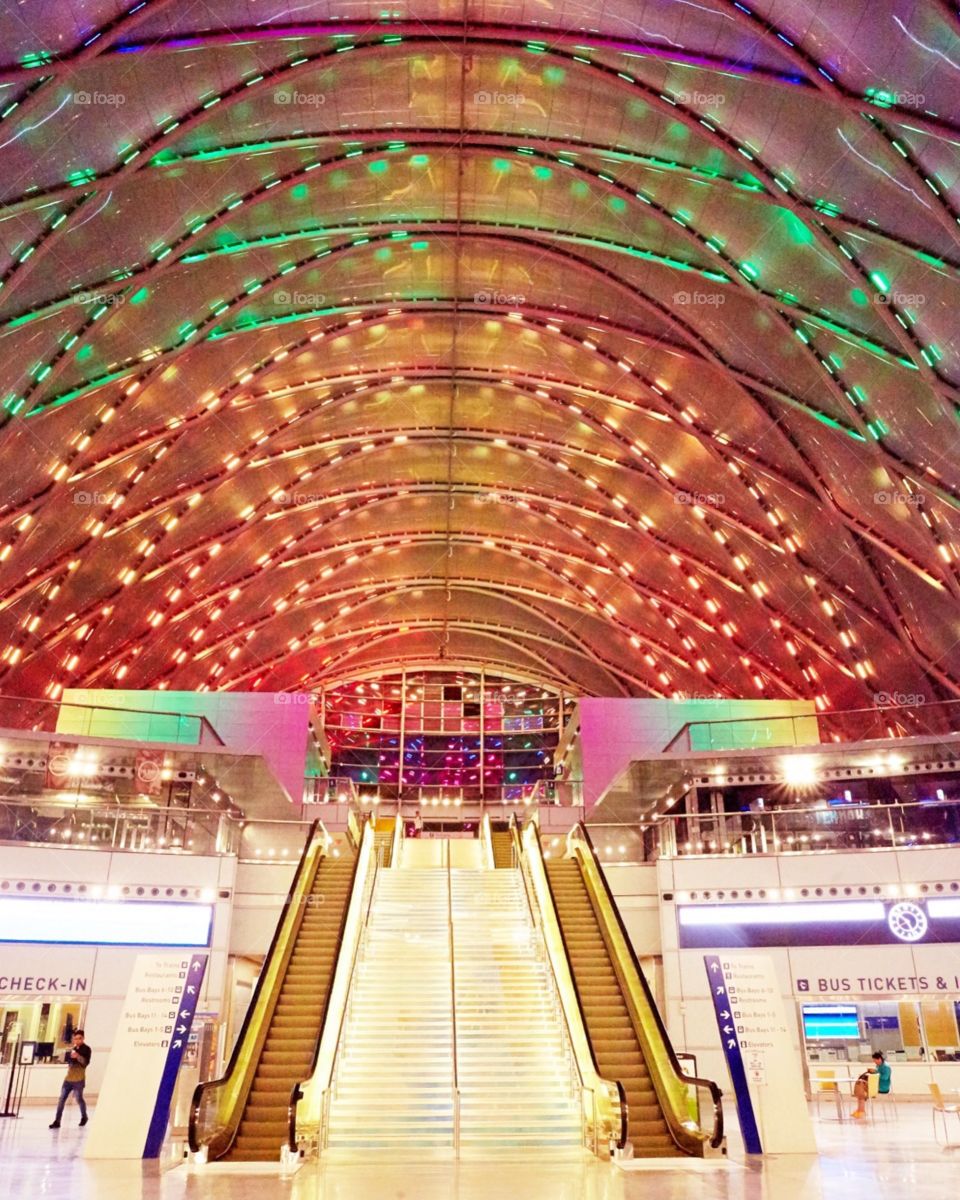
{"points": [[374, 874], [250, 1014], [622, 1141], [398, 836], [709, 1085], [486, 837], [514, 828], [296, 1092]]}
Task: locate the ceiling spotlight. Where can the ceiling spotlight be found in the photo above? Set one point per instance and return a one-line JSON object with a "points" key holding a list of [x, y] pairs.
{"points": [[799, 770]]}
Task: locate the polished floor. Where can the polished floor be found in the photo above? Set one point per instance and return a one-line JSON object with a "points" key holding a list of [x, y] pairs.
{"points": [[895, 1158]]}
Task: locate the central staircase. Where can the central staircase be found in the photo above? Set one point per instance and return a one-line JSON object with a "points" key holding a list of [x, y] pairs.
{"points": [[517, 1077], [394, 1080]]}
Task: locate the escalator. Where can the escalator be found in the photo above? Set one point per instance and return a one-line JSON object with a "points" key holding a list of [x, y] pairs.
{"points": [[502, 842], [383, 837], [244, 1115], [626, 1034]]}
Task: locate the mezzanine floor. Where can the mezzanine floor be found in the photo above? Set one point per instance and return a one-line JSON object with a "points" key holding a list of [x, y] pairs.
{"points": [[855, 1160]]}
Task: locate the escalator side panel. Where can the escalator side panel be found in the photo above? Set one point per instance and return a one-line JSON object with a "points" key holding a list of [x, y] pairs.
{"points": [[295, 1026], [615, 1044]]}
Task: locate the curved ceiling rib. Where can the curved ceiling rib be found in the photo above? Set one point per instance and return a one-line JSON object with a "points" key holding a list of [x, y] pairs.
{"points": [[621, 359]]}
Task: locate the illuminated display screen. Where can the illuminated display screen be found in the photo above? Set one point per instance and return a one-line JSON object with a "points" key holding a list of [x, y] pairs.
{"points": [[823, 1021], [819, 923], [104, 922]]}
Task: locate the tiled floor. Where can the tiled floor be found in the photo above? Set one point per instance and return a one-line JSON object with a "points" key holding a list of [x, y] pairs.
{"points": [[871, 1160]]}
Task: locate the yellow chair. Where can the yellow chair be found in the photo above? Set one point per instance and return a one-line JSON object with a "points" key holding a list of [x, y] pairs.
{"points": [[941, 1106], [873, 1091], [883, 1101], [825, 1084]]}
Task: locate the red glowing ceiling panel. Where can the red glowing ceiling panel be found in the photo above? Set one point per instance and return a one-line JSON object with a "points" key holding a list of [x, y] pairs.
{"points": [[617, 352]]}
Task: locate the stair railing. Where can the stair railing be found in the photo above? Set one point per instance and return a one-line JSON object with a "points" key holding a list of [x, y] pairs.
{"points": [[604, 1105], [398, 836], [677, 1091], [486, 838], [313, 1105], [453, 1007]]}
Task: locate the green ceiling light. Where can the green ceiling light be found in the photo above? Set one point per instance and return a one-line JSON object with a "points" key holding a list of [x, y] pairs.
{"points": [[879, 281], [140, 295], [542, 173], [749, 270], [554, 75], [419, 160], [827, 207], [379, 166], [879, 97], [501, 165], [300, 192], [859, 297], [36, 58], [800, 232]]}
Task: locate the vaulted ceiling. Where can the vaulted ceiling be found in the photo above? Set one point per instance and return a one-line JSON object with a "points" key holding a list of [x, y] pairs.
{"points": [[612, 344]]}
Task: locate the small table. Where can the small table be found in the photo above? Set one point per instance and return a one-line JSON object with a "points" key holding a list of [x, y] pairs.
{"points": [[842, 1073]]}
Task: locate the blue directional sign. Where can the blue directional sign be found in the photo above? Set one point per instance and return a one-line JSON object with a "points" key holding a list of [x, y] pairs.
{"points": [[733, 1053], [183, 1003]]}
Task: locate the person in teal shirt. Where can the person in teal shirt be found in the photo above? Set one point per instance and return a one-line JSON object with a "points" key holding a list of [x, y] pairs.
{"points": [[880, 1067]]}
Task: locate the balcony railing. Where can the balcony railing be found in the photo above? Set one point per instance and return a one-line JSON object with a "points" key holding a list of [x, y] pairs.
{"points": [[819, 829], [102, 720], [913, 718], [119, 827]]}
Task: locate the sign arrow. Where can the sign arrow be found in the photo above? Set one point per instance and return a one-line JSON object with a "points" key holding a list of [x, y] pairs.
{"points": [[721, 991], [186, 1012], [177, 1043], [726, 1029], [191, 990], [198, 966], [714, 966], [183, 1029], [731, 1044]]}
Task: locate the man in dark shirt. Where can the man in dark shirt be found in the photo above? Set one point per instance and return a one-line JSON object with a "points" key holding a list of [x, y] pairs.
{"points": [[77, 1058]]}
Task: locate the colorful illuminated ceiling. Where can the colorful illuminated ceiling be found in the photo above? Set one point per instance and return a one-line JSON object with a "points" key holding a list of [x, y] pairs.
{"points": [[609, 344]]}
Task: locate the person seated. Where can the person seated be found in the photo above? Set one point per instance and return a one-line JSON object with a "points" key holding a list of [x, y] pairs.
{"points": [[860, 1089]]}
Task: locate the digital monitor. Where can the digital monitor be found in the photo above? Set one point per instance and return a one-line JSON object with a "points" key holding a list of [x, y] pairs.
{"points": [[823, 1022]]}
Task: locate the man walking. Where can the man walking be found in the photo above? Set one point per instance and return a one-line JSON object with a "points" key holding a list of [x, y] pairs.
{"points": [[77, 1058]]}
